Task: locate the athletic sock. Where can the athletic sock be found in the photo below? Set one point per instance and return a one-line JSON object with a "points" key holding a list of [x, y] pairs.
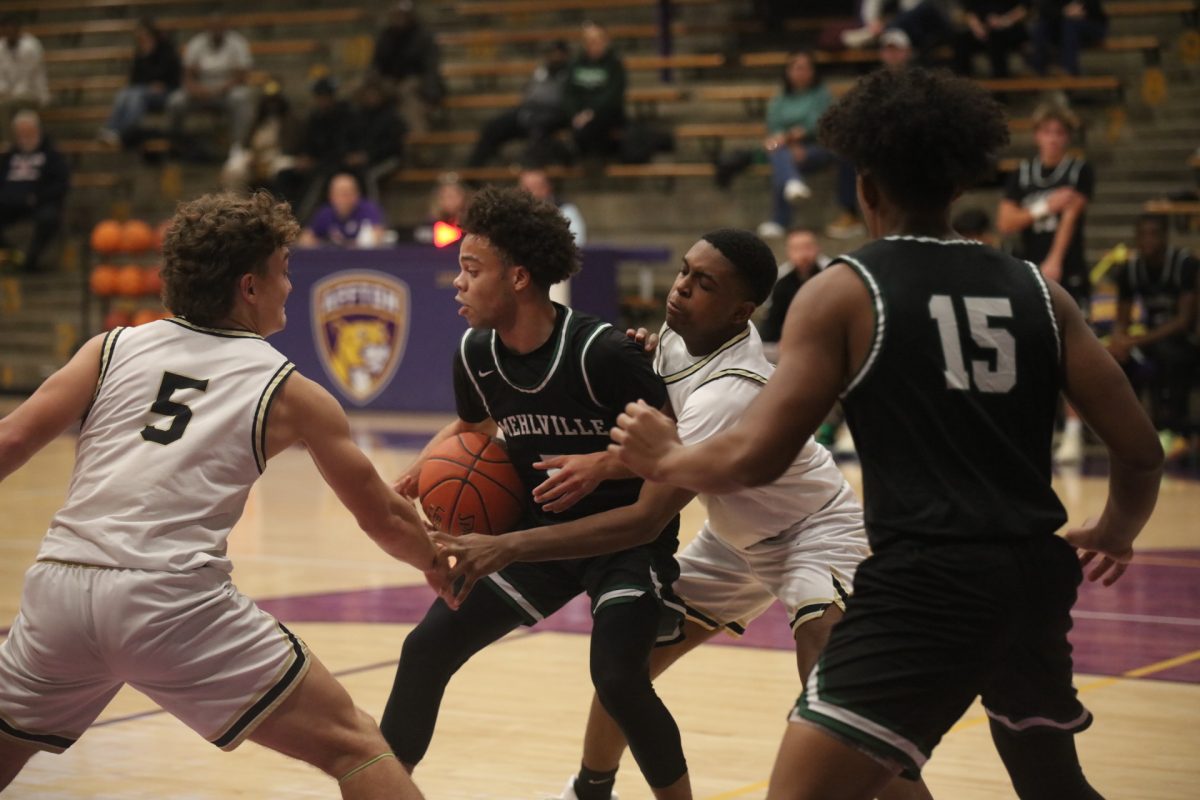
{"points": [[593, 785]]}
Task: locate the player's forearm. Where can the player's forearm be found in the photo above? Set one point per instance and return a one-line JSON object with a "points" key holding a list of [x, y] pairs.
{"points": [[1062, 236], [1172, 328], [400, 533], [598, 534], [1133, 483], [1012, 218], [725, 463]]}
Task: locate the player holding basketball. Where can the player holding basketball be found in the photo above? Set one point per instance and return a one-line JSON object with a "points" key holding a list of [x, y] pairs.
{"points": [[554, 380], [797, 540], [131, 584], [949, 356]]}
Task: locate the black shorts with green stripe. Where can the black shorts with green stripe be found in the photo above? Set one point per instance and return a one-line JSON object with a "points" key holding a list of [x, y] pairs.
{"points": [[933, 625], [538, 589]]}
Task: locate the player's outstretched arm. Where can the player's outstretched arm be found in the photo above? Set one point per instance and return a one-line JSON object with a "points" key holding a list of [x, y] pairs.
{"points": [[306, 412], [814, 361], [406, 484], [1101, 393], [60, 401]]}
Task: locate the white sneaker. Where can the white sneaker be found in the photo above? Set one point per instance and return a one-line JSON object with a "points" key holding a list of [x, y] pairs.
{"points": [[796, 189], [1070, 449], [770, 230], [569, 792], [857, 37]]}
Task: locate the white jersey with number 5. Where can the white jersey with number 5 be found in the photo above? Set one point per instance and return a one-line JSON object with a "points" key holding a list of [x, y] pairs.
{"points": [[167, 453], [710, 394]]}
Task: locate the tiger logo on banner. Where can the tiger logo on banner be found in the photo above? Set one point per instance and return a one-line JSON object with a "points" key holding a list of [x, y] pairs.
{"points": [[360, 324]]}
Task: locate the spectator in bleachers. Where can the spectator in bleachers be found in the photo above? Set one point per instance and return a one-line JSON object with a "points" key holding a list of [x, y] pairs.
{"points": [[1068, 26], [34, 178], [996, 27], [156, 72], [804, 259], [216, 65], [925, 22], [540, 114], [538, 183], [1045, 201], [376, 136], [447, 205], [895, 49], [595, 94], [407, 55], [267, 149], [974, 223], [1163, 279], [325, 141], [347, 220], [22, 70]]}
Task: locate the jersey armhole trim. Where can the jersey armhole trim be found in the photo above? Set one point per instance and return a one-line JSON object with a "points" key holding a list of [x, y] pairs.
{"points": [[106, 353], [462, 354], [1045, 290], [679, 375], [880, 321], [258, 430], [583, 363], [734, 372]]}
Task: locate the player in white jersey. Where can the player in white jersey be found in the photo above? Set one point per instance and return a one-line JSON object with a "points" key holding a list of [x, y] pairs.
{"points": [[797, 540], [131, 584]]}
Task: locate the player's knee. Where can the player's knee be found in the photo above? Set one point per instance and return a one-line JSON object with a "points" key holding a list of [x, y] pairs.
{"points": [[428, 650], [618, 685], [348, 741]]}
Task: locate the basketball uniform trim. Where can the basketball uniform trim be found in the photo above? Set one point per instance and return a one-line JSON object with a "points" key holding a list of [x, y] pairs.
{"points": [[1045, 290], [675, 377], [734, 372], [228, 333], [462, 354], [932, 240], [1080, 723], [106, 351], [880, 321], [258, 429], [523, 606], [559, 348], [245, 724], [43, 741], [587, 381]]}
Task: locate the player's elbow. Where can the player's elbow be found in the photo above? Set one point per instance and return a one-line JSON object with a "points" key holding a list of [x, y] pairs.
{"points": [[759, 469], [1145, 455]]}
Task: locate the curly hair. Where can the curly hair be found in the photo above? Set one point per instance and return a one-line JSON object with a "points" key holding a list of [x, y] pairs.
{"points": [[212, 242], [923, 136], [750, 258], [526, 232]]}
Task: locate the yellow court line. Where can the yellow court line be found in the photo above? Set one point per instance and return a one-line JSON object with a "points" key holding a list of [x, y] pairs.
{"points": [[1139, 672]]}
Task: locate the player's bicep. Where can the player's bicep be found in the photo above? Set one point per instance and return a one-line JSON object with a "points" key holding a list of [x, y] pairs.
{"points": [[1097, 388]]}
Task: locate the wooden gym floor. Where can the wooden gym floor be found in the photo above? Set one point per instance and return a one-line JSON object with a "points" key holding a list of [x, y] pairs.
{"points": [[512, 720]]}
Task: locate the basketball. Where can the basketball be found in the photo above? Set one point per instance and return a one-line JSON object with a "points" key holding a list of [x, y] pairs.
{"points": [[152, 281], [103, 281], [136, 236], [468, 485], [130, 281], [106, 236]]}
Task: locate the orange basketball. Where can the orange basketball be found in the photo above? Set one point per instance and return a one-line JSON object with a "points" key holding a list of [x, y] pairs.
{"points": [[106, 236], [151, 281], [130, 281], [145, 315], [136, 236], [104, 281], [116, 318], [468, 485]]}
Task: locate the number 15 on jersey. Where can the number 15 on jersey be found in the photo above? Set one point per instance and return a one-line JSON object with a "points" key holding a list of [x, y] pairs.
{"points": [[979, 311]]}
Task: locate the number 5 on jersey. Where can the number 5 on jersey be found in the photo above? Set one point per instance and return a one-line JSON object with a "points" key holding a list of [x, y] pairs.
{"points": [[181, 415], [979, 309]]}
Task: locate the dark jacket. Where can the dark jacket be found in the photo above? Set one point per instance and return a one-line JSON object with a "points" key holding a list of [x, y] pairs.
{"points": [[410, 52], [160, 65], [327, 133], [36, 178], [597, 85], [379, 132]]}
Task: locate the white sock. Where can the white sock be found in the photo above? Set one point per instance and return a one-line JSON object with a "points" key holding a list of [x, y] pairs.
{"points": [[1073, 427]]}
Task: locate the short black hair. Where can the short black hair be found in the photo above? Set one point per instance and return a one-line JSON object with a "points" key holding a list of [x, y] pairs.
{"points": [[922, 135], [972, 222], [526, 232], [750, 257], [1159, 220]]}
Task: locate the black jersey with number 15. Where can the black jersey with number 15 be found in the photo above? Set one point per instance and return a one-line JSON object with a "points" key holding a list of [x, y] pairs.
{"points": [[953, 409]]}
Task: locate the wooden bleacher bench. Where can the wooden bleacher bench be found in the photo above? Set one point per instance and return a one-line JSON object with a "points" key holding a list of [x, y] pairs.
{"points": [[1184, 208], [633, 63], [433, 138], [73, 5], [1070, 83], [84, 83], [483, 7], [97, 180], [1137, 8], [123, 53], [76, 113], [568, 33], [1194, 161], [257, 19], [481, 174]]}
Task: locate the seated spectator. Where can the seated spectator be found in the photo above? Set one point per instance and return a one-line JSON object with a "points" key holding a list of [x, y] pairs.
{"points": [[996, 27], [448, 204], [540, 114], [1163, 279], [538, 184], [1068, 26], [804, 259], [924, 22], [895, 49], [974, 223], [216, 64], [322, 149], [34, 185], [407, 56], [376, 136], [348, 220], [595, 94], [22, 71], [268, 148], [156, 72]]}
